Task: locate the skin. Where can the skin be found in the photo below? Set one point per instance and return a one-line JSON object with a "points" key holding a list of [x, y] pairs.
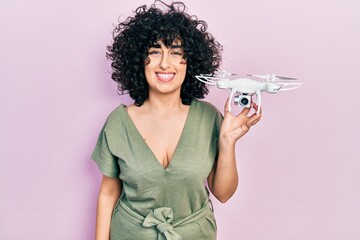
{"points": [[223, 179], [109, 193], [160, 121]]}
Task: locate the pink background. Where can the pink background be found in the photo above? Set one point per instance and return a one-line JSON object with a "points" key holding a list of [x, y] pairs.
{"points": [[299, 167]]}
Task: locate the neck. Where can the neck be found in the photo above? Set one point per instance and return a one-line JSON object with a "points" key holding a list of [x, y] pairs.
{"points": [[168, 102]]}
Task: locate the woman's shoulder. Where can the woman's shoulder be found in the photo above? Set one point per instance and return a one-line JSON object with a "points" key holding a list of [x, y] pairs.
{"points": [[116, 116]]}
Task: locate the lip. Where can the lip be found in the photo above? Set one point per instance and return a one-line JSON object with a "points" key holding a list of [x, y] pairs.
{"points": [[165, 76]]}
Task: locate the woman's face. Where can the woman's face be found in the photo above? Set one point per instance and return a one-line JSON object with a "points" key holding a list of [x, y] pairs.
{"points": [[165, 69]]}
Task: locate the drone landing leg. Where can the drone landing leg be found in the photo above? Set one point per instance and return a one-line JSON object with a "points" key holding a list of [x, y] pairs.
{"points": [[258, 97], [231, 99]]}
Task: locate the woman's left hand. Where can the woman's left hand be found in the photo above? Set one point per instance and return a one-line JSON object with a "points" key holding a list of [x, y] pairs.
{"points": [[234, 127]]}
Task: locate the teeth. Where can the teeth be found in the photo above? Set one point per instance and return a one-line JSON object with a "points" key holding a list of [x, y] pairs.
{"points": [[165, 75]]}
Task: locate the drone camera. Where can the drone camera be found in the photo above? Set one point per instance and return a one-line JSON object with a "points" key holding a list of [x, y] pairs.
{"points": [[244, 101]]}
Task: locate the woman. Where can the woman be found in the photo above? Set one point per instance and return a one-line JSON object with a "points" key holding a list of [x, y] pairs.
{"points": [[156, 154]]}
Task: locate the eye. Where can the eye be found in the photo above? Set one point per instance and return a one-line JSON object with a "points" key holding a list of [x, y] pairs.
{"points": [[154, 52], [177, 53]]}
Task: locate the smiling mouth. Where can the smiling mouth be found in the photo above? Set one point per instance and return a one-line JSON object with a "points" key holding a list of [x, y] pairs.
{"points": [[165, 77]]}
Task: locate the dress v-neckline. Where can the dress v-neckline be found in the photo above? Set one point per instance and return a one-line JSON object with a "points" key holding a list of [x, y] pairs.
{"points": [[153, 156]]}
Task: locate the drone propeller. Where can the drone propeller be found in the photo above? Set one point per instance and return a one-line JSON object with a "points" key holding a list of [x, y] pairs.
{"points": [[285, 78], [289, 86], [208, 79], [271, 76], [223, 74], [233, 76], [212, 79]]}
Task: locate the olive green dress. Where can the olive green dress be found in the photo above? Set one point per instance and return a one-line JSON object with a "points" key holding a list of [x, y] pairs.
{"points": [[156, 202]]}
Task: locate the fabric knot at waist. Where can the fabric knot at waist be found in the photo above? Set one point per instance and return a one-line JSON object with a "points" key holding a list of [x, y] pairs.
{"points": [[162, 220], [162, 227]]}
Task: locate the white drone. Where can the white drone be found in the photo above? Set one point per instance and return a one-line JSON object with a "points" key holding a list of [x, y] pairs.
{"points": [[245, 87]]}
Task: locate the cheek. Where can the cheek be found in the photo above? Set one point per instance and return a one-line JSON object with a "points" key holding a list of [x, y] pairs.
{"points": [[147, 61], [150, 64], [181, 64], [152, 61], [182, 72], [148, 69], [183, 67]]}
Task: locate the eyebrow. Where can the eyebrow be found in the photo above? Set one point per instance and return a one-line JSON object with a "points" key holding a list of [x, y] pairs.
{"points": [[156, 45], [175, 46]]}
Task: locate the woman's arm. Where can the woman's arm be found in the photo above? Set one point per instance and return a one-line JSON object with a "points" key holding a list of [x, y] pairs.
{"points": [[223, 178], [109, 193]]}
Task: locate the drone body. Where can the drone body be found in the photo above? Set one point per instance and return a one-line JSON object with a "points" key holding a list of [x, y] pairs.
{"points": [[245, 87], [248, 86]]}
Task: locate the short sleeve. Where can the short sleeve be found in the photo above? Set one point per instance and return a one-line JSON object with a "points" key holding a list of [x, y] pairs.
{"points": [[105, 160], [218, 121]]}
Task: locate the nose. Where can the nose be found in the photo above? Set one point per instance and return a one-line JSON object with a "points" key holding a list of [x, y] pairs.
{"points": [[164, 64]]}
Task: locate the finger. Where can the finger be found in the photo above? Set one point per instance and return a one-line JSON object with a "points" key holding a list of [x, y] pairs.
{"points": [[256, 107], [226, 107], [253, 119], [244, 112]]}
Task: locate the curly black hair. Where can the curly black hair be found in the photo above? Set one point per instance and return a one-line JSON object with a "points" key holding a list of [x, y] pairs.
{"points": [[134, 36]]}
